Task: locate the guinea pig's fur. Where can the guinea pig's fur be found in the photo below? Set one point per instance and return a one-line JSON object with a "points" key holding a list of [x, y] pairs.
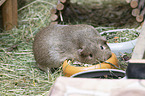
{"points": [[56, 43]]}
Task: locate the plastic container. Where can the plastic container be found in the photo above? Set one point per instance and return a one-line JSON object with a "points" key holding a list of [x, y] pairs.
{"points": [[120, 48]]}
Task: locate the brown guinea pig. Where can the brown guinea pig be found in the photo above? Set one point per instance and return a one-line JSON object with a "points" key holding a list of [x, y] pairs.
{"points": [[56, 43]]}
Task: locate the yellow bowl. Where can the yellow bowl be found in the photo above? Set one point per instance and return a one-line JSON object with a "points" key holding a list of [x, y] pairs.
{"points": [[69, 70]]}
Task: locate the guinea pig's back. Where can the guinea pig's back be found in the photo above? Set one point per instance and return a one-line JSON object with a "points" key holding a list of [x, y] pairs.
{"points": [[42, 46]]}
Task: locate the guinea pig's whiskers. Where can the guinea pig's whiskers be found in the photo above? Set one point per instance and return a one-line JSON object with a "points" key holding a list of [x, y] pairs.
{"points": [[112, 64]]}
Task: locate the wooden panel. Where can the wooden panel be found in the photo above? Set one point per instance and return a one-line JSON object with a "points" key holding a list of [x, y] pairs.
{"points": [[137, 61], [9, 14], [65, 86], [15, 13], [139, 50]]}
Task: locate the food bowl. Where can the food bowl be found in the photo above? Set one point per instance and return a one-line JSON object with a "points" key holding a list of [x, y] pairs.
{"points": [[69, 70]]}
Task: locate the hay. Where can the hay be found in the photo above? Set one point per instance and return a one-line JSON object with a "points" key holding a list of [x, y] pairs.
{"points": [[19, 74]]}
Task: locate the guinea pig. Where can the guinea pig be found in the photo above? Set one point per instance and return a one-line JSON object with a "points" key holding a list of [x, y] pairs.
{"points": [[56, 43]]}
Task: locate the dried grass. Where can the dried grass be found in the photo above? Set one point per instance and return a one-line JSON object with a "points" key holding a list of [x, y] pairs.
{"points": [[19, 74]]}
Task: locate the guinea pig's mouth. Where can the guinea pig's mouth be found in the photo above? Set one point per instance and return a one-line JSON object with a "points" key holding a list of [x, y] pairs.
{"points": [[98, 61]]}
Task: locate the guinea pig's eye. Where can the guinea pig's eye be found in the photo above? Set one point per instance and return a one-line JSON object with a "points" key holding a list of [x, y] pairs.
{"points": [[102, 47], [91, 55]]}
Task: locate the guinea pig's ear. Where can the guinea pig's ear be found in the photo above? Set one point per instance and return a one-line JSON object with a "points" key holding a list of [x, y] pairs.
{"points": [[80, 51]]}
